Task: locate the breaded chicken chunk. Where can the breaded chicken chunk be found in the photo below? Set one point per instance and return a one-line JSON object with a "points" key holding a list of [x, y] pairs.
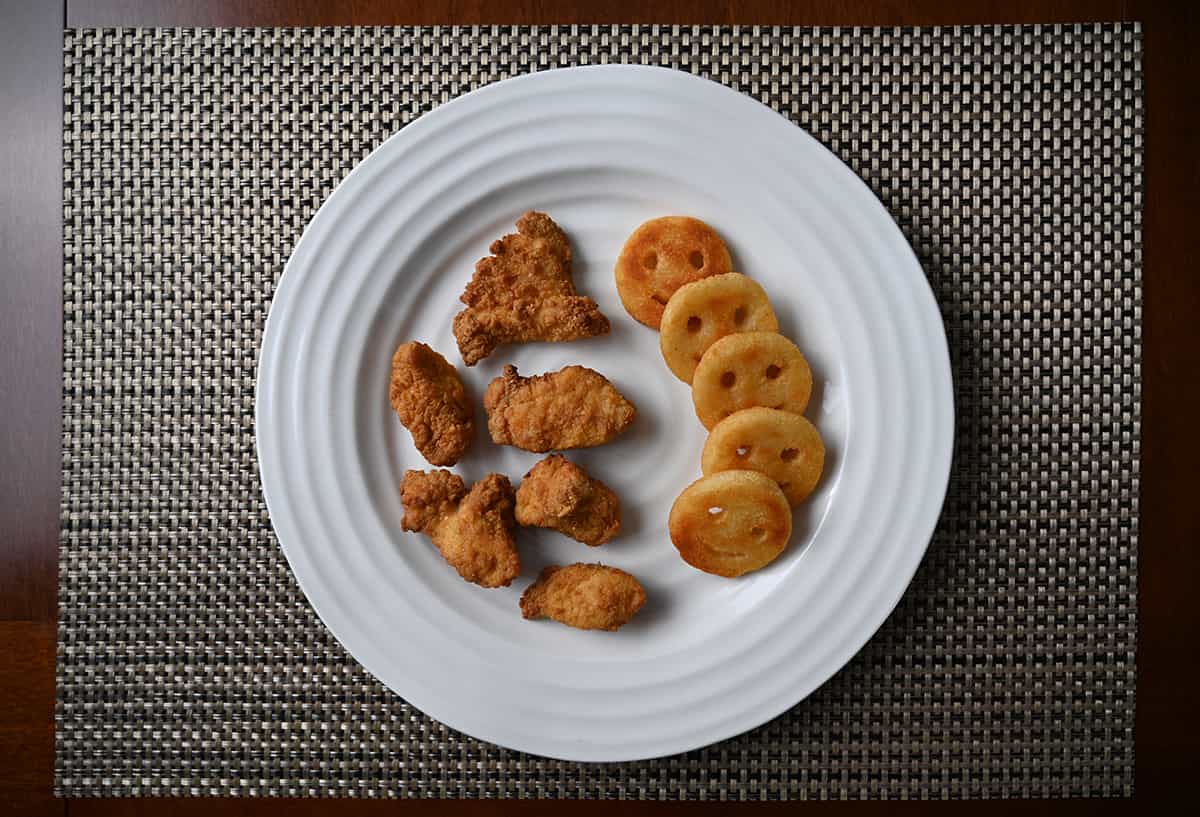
{"points": [[472, 529], [524, 291], [574, 407], [590, 597], [558, 494], [432, 403]]}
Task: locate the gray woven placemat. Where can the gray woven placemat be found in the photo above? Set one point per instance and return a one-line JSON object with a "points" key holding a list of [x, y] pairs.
{"points": [[190, 662]]}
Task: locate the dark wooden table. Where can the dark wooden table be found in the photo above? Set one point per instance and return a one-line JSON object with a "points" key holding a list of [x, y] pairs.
{"points": [[1168, 749]]}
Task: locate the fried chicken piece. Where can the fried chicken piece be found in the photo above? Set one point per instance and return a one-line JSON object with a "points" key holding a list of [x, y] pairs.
{"points": [[432, 403], [590, 597], [472, 529], [558, 494], [574, 407], [523, 292]]}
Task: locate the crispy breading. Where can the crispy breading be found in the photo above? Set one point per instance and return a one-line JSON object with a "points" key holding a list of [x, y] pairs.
{"points": [[574, 407], [590, 597], [558, 494], [524, 292], [472, 529], [432, 403]]}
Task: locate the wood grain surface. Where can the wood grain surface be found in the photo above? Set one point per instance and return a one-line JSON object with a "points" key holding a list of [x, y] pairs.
{"points": [[30, 396], [1168, 715], [515, 12]]}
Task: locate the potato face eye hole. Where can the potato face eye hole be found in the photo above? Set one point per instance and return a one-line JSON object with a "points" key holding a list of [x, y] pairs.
{"points": [[716, 510], [728, 379], [696, 259], [693, 324], [773, 372], [789, 454], [650, 260], [739, 316], [743, 450]]}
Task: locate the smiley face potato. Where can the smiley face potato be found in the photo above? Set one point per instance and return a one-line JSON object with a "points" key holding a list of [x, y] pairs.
{"points": [[750, 369], [731, 523], [661, 256], [702, 312]]}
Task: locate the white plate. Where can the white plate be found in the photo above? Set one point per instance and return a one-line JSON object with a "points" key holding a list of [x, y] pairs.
{"points": [[601, 149]]}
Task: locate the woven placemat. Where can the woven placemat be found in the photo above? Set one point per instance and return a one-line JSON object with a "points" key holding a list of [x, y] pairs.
{"points": [[190, 662]]}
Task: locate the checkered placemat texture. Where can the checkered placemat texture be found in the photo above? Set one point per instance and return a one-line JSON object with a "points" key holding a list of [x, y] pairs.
{"points": [[190, 662]]}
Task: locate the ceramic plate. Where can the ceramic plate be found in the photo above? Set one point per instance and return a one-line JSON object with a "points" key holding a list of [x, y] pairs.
{"points": [[602, 149]]}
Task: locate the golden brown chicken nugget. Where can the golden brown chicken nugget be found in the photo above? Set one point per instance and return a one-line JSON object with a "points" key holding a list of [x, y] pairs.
{"points": [[558, 494], [574, 407], [430, 399], [703, 312], [750, 369], [524, 291], [662, 255], [784, 446], [472, 529], [589, 597], [730, 523]]}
